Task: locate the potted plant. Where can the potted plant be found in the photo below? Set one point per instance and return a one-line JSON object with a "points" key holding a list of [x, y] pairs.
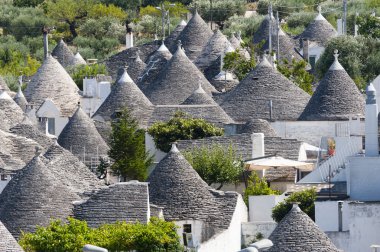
{"points": [[331, 146]]}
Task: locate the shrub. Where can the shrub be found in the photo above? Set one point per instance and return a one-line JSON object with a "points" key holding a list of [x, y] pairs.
{"points": [[181, 127], [305, 199], [216, 164], [247, 26], [78, 73], [257, 186]]}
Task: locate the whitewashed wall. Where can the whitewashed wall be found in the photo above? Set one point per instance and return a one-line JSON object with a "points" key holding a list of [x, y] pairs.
{"points": [[251, 229], [49, 110], [260, 207], [230, 239], [327, 217]]}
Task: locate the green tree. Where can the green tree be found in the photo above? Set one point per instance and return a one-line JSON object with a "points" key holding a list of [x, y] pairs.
{"points": [[369, 26], [27, 3], [296, 72], [237, 63], [157, 235], [181, 127], [257, 186], [127, 148], [305, 199], [78, 73], [216, 164], [124, 4]]}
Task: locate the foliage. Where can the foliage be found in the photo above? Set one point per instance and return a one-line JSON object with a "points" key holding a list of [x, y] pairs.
{"points": [[103, 166], [216, 164], [296, 72], [101, 10], [124, 4], [156, 235], [297, 22], [257, 186], [358, 56], [78, 73], [27, 3], [221, 9], [181, 127], [104, 27], [305, 199], [98, 48], [247, 26], [127, 148], [178, 10], [286, 7], [369, 26], [238, 64]]}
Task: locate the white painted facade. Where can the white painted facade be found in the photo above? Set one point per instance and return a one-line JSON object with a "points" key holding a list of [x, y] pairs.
{"points": [[260, 207], [50, 114], [94, 94]]}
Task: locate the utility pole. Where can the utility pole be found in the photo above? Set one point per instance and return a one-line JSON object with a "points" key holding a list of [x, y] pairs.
{"points": [[345, 17], [211, 13], [270, 33], [278, 37]]}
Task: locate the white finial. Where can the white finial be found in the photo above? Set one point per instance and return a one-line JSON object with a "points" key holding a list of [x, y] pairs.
{"points": [[179, 44], [163, 48], [265, 62], [199, 90], [155, 37], [336, 65], [125, 78], [183, 23], [5, 96], [56, 141], [37, 151], [319, 9], [174, 148], [295, 206], [319, 16]]}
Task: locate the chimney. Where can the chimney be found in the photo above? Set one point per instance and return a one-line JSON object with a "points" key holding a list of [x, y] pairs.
{"points": [[45, 32], [129, 38], [258, 145], [305, 49], [371, 123]]}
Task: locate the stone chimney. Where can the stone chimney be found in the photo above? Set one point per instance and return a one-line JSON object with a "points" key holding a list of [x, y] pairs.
{"points": [[305, 49], [371, 123], [45, 32], [257, 145]]}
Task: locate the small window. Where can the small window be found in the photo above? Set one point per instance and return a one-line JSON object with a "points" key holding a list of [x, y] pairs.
{"points": [[3, 177], [312, 60], [187, 228], [51, 126]]}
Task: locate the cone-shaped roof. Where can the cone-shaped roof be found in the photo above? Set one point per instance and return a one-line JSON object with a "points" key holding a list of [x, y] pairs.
{"points": [[235, 42], [125, 94], [27, 129], [20, 99], [127, 201], [336, 97], [10, 113], [154, 67], [69, 170], [209, 59], [319, 30], [78, 59], [296, 232], [195, 36], [52, 81], [198, 97], [262, 32], [63, 54], [178, 80], [177, 187], [250, 99], [7, 242], [33, 197], [258, 126], [135, 68], [286, 45], [3, 85], [171, 40], [80, 136]]}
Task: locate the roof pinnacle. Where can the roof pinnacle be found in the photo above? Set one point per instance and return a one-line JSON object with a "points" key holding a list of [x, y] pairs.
{"points": [[336, 65]]}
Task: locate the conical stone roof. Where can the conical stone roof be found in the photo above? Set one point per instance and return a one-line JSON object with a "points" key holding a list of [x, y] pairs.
{"points": [[177, 187], [262, 32], [33, 197], [69, 170], [155, 65], [80, 136], [63, 54], [209, 59], [320, 31], [199, 97], [20, 99], [286, 45], [258, 126], [27, 129], [250, 99], [336, 97], [296, 232], [78, 59], [10, 113], [135, 69], [171, 40], [178, 80], [52, 81], [7, 242], [125, 94], [195, 36], [3, 85], [128, 201]]}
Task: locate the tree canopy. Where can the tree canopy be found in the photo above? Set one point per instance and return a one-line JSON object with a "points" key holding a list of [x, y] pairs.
{"points": [[216, 164], [257, 186], [181, 127], [127, 148]]}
